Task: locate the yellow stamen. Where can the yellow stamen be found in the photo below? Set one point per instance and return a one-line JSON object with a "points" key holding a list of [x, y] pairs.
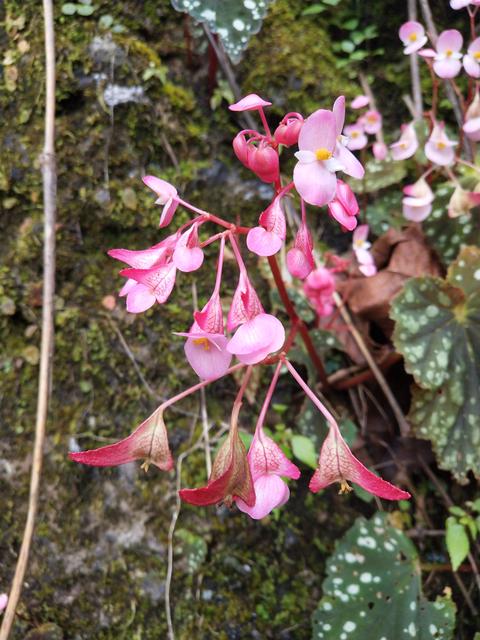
{"points": [[202, 341], [476, 55], [354, 134], [448, 53], [412, 37], [441, 145], [345, 487], [323, 154]]}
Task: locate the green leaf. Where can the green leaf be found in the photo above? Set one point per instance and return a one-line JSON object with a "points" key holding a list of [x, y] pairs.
{"points": [[438, 333], [378, 175], [457, 511], [234, 22], [304, 449], [350, 24], [105, 21], [313, 10], [347, 46], [373, 590], [85, 9], [69, 8], [458, 544], [385, 212]]}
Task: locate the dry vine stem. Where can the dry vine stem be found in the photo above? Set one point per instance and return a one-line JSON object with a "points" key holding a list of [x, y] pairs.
{"points": [[49, 203]]}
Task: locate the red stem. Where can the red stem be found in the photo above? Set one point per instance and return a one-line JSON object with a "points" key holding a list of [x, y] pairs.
{"points": [[290, 309]]}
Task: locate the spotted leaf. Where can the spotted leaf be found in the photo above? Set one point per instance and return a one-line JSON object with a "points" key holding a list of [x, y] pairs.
{"points": [[438, 333], [235, 21], [373, 590]]}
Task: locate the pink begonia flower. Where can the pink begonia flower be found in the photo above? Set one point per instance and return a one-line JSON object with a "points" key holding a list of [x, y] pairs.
{"points": [[359, 102], [380, 151], [156, 256], [361, 248], [314, 173], [356, 137], [407, 144], [154, 285], [249, 103], [438, 148], [447, 60], [372, 122], [300, 260], [3, 601], [149, 442], [319, 288], [471, 126], [288, 130], [245, 303], [417, 205], [267, 239], [471, 60], [167, 195], [267, 464], [412, 34], [351, 165], [338, 464], [461, 4], [230, 479], [188, 256], [344, 207], [462, 202], [257, 338]]}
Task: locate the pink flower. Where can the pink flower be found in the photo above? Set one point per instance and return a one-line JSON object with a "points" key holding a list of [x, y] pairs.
{"points": [[407, 144], [319, 288], [344, 207], [356, 137], [230, 478], [288, 130], [3, 601], [447, 61], [361, 248], [417, 204], [267, 464], [462, 202], [471, 59], [314, 174], [249, 103], [245, 303], [153, 285], [138, 295], [167, 195], [359, 102], [263, 160], [412, 34], [471, 126], [300, 257], [372, 122], [351, 166], [267, 239], [257, 338], [380, 150], [188, 256], [149, 442], [438, 148], [338, 464]]}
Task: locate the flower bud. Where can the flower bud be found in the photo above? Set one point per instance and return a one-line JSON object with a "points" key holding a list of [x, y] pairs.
{"points": [[263, 160], [288, 130]]}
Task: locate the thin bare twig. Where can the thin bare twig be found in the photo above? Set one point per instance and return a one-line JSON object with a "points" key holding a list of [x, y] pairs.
{"points": [[414, 68], [46, 349], [402, 423]]}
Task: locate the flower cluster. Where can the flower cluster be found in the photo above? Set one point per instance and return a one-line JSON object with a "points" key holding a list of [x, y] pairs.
{"points": [[254, 481]]}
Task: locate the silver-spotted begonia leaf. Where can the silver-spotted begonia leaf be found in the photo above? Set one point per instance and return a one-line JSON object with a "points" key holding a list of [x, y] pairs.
{"points": [[438, 333], [235, 21], [373, 590]]}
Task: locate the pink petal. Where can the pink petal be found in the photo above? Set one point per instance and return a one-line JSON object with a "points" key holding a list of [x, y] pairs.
{"points": [[448, 68], [474, 46], [299, 264], [459, 4], [271, 492], [257, 338], [149, 441], [416, 213], [207, 355], [360, 233], [210, 318], [245, 303], [339, 113], [318, 132], [351, 165], [357, 141], [341, 215], [408, 28], [359, 102], [249, 102], [368, 270], [127, 287], [449, 40], [186, 259], [263, 242], [427, 53], [373, 122], [167, 213], [273, 219], [415, 46], [140, 298], [471, 66], [3, 601], [164, 190], [442, 157], [265, 456], [380, 151], [314, 183]]}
